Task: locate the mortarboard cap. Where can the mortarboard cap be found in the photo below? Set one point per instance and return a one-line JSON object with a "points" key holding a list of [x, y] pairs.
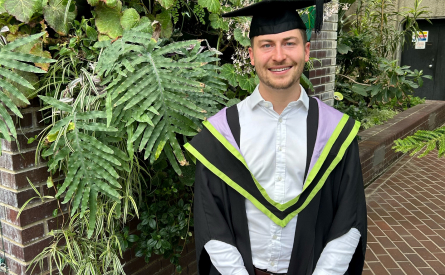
{"points": [[276, 16]]}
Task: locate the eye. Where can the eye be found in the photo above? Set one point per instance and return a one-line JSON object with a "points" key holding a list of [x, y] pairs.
{"points": [[290, 44], [266, 46]]}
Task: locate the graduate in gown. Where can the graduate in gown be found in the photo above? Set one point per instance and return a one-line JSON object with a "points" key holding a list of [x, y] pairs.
{"points": [[261, 167]]}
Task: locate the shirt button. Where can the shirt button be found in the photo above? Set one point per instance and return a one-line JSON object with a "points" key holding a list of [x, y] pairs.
{"points": [[279, 148], [280, 120], [274, 237], [279, 178], [272, 263]]}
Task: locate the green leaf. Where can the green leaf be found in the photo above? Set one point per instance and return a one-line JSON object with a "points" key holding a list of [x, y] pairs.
{"points": [[108, 20], [28, 93], [360, 89], [9, 90], [129, 19], [165, 20], [343, 48], [306, 83], [93, 212], [26, 57], [22, 41], [8, 102], [94, 126], [246, 82], [12, 64], [212, 5], [56, 103], [152, 223], [85, 200], [243, 40], [133, 238], [58, 16], [228, 72], [22, 10], [2, 6], [232, 102], [166, 4]]}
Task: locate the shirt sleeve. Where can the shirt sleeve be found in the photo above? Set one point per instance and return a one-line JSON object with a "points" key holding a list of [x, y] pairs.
{"points": [[335, 257], [225, 258]]}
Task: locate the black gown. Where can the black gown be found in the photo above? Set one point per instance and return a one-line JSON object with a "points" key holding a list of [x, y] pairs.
{"points": [[327, 209]]}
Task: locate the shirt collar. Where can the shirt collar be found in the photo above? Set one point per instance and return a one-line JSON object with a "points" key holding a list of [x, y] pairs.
{"points": [[255, 98]]}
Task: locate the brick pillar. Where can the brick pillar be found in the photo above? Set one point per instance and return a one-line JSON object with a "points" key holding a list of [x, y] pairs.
{"points": [[26, 237], [324, 48]]}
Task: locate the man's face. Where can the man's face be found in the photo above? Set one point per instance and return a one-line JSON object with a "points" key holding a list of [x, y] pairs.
{"points": [[279, 58]]}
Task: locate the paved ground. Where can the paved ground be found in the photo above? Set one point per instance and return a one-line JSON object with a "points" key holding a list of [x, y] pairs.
{"points": [[406, 218]]}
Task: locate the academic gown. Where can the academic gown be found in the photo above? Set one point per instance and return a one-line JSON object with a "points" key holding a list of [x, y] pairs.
{"points": [[332, 201]]}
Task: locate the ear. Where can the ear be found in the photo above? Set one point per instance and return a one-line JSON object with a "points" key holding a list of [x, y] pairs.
{"points": [[307, 50], [252, 60]]}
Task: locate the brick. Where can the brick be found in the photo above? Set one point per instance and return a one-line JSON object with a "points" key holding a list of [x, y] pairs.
{"points": [[18, 161], [56, 222], [22, 142], [31, 215], [136, 264], [19, 180], [188, 258], [18, 267], [22, 123], [21, 235], [28, 252]]}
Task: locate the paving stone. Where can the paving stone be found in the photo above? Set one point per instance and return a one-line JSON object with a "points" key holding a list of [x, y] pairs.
{"points": [[406, 217]]}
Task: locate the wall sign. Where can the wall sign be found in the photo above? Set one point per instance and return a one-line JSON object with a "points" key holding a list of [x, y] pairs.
{"points": [[421, 37]]}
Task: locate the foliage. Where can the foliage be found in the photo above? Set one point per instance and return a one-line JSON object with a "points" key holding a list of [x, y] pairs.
{"points": [[380, 20], [153, 97], [15, 76], [422, 142], [167, 216], [130, 85], [99, 254], [393, 81], [377, 117], [405, 103]]}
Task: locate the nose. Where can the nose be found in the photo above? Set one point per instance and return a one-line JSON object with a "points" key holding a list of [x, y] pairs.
{"points": [[279, 55]]}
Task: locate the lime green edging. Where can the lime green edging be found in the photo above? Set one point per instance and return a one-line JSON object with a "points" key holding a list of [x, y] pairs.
{"points": [[311, 176], [254, 201], [234, 185], [331, 167]]}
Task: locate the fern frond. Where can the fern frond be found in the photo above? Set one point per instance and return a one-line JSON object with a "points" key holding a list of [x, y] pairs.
{"points": [[423, 140]]}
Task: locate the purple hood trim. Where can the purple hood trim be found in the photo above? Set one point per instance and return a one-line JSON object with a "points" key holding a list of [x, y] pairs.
{"points": [[328, 119], [219, 121]]}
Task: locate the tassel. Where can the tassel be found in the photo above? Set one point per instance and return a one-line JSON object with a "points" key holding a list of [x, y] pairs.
{"points": [[319, 15]]}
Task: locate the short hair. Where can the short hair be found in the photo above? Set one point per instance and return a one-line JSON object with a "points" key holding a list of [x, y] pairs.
{"points": [[303, 35]]}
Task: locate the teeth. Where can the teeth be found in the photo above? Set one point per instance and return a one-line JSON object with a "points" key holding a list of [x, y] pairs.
{"points": [[280, 70]]}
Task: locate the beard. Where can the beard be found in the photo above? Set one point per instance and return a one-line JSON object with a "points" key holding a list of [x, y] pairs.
{"points": [[281, 83]]}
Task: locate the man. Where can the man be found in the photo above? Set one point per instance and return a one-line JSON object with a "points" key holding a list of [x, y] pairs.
{"points": [[279, 188]]}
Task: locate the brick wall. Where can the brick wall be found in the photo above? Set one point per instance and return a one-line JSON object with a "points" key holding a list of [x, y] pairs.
{"points": [[25, 237], [161, 266], [324, 48], [376, 153]]}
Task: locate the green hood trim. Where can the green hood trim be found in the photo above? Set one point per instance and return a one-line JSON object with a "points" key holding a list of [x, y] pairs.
{"points": [[309, 180]]}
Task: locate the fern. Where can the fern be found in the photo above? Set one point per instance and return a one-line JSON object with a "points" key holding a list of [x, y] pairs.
{"points": [[156, 92], [83, 145], [422, 140], [10, 62]]}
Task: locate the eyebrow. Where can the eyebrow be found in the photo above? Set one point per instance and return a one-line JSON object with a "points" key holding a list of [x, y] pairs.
{"points": [[285, 39]]}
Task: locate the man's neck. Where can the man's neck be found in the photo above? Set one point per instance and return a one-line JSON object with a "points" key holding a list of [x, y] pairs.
{"points": [[280, 98]]}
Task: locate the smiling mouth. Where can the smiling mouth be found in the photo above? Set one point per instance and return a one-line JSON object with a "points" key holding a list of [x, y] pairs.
{"points": [[280, 69]]}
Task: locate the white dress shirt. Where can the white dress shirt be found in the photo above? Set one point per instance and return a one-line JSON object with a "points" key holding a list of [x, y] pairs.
{"points": [[274, 147]]}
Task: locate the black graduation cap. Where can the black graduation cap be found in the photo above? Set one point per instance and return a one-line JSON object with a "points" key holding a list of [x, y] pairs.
{"points": [[275, 16]]}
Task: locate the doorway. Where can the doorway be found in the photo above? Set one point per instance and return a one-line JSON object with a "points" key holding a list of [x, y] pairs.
{"points": [[429, 57]]}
